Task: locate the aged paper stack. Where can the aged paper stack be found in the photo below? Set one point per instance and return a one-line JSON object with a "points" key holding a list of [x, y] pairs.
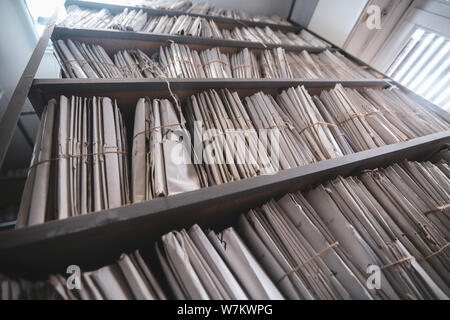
{"points": [[202, 8], [161, 158], [318, 245], [79, 162], [81, 60], [212, 266], [269, 36], [371, 118], [130, 278], [139, 21], [230, 148], [381, 235], [231, 138]]}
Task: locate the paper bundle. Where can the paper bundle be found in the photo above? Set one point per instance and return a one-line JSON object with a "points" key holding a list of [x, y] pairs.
{"points": [[178, 61], [215, 63], [267, 35], [129, 278], [79, 162], [274, 64], [138, 21], [135, 64], [368, 124], [177, 5], [283, 143], [330, 242], [319, 245], [161, 161], [230, 149], [206, 8], [325, 65], [244, 64], [200, 266], [86, 18], [322, 138], [80, 60]]}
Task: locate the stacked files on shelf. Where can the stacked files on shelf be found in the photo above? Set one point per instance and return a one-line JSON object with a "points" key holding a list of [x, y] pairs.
{"points": [[79, 162], [81, 60], [161, 161], [139, 21], [380, 235], [213, 137], [206, 8], [130, 278]]}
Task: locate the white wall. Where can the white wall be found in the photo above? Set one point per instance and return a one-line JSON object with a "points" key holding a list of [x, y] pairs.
{"points": [[255, 7], [334, 19], [19, 38]]}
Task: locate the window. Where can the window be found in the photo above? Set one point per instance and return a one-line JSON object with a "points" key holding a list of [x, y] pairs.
{"points": [[423, 66], [41, 11]]}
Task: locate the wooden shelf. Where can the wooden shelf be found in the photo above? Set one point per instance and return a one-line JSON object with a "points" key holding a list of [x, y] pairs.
{"points": [[97, 239], [114, 40], [222, 22], [128, 91], [94, 239], [11, 190]]}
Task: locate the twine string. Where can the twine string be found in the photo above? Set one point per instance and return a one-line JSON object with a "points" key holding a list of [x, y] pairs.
{"points": [[318, 254]]}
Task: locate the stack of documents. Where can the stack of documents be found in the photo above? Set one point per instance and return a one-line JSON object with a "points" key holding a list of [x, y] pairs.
{"points": [[135, 64], [325, 65], [244, 64], [274, 64], [388, 221], [21, 289], [215, 64], [86, 18], [298, 253], [129, 278], [161, 158], [139, 21], [207, 8], [79, 162], [413, 119], [177, 5], [81, 60], [312, 40], [212, 266], [274, 19], [267, 35], [285, 146], [179, 61], [319, 245], [381, 235], [372, 118], [230, 148], [238, 139], [323, 139]]}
